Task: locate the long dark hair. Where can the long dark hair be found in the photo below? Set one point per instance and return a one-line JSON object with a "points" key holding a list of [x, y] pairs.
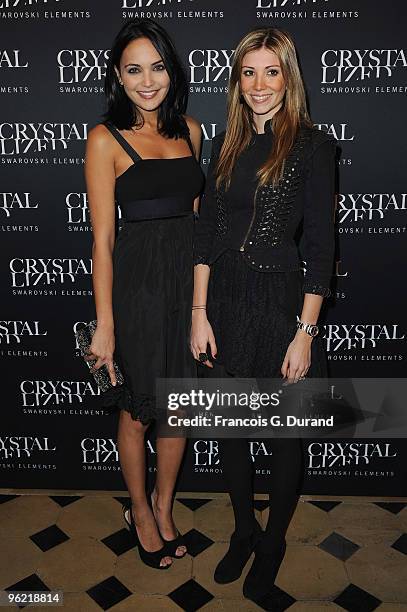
{"points": [[120, 109]]}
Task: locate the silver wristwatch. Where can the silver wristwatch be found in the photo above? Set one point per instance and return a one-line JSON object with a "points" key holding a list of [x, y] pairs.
{"points": [[311, 330]]}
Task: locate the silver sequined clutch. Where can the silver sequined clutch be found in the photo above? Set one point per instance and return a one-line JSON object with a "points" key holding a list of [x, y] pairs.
{"points": [[84, 338]]}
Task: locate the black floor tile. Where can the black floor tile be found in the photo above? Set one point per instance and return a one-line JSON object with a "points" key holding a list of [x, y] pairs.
{"points": [[120, 542], [65, 500], [6, 498], [123, 501], [339, 546], [325, 505], [49, 537], [193, 504], [277, 600], [261, 504], [190, 596], [401, 544], [196, 542], [393, 507], [108, 593], [30, 583], [354, 599]]}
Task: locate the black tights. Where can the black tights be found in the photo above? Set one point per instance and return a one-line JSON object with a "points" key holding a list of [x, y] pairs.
{"points": [[287, 470], [284, 486]]}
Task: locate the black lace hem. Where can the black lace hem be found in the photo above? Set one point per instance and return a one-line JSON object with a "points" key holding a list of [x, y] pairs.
{"points": [[201, 259], [141, 406], [316, 288]]}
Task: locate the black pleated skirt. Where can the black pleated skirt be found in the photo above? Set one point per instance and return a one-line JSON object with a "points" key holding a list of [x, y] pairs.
{"points": [[152, 298], [253, 317]]}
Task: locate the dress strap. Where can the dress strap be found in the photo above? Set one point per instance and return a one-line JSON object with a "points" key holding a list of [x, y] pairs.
{"points": [[188, 137], [122, 141]]}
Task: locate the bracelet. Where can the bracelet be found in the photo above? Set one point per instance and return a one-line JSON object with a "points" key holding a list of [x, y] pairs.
{"points": [[198, 307], [309, 328]]}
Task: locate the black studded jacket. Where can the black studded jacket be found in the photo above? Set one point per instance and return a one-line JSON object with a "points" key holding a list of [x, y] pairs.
{"points": [[267, 228]]}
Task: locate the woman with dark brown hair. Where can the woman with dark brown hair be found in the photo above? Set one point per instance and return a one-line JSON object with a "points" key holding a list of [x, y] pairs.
{"points": [[144, 158], [254, 314]]}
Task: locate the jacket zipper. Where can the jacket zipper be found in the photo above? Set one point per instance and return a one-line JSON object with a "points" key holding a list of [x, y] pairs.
{"points": [[251, 223]]}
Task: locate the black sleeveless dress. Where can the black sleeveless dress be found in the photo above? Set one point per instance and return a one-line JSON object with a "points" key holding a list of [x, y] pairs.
{"points": [[153, 276]]}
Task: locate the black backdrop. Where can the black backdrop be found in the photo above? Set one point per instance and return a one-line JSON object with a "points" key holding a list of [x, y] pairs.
{"points": [[52, 60]]}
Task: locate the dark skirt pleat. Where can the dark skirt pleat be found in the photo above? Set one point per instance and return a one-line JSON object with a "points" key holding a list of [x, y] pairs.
{"points": [[152, 296], [253, 316]]}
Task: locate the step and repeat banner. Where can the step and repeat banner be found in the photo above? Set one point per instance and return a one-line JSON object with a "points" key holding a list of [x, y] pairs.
{"points": [[53, 54]]}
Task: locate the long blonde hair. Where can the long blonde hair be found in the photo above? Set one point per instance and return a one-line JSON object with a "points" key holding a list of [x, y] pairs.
{"points": [[285, 123]]}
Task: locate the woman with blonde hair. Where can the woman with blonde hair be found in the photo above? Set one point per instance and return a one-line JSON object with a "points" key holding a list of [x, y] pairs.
{"points": [[255, 314]]}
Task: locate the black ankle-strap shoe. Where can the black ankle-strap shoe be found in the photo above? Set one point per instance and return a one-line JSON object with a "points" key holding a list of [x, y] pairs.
{"points": [[231, 566]]}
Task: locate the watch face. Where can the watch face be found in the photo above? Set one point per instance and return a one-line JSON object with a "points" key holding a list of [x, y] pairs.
{"points": [[314, 331]]}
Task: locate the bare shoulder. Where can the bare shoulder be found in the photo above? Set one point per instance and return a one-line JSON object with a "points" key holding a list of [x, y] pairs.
{"points": [[194, 126], [100, 147], [99, 138]]}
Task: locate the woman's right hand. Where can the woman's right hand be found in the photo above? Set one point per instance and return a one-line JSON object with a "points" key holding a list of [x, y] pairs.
{"points": [[201, 336], [102, 349]]}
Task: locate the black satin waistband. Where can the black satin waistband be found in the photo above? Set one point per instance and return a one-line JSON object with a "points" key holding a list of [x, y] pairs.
{"points": [[156, 208]]}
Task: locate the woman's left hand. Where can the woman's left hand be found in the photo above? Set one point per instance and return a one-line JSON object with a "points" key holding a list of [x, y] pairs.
{"points": [[297, 358]]}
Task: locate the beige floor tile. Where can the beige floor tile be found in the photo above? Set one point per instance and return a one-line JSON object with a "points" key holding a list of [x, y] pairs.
{"points": [[310, 573], [309, 525], [215, 605], [23, 557], [147, 603], [97, 517], [380, 570], [315, 606], [230, 605], [204, 567], [392, 607], [183, 517], [27, 514], [215, 520], [76, 565], [365, 523], [140, 578]]}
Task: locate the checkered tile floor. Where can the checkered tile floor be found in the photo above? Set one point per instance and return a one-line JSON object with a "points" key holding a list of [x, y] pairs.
{"points": [[348, 554]]}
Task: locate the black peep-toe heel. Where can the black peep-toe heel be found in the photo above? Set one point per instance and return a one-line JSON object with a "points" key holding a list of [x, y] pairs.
{"points": [[152, 559], [171, 545]]}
